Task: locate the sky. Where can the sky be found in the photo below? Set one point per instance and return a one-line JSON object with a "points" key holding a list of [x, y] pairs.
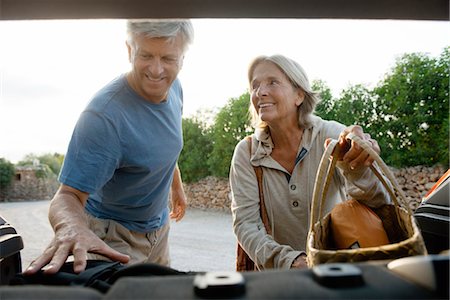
{"points": [[50, 69]]}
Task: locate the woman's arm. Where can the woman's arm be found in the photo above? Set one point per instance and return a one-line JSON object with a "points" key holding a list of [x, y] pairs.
{"points": [[247, 223]]}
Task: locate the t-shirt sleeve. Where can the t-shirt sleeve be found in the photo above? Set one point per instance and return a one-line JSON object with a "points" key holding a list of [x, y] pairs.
{"points": [[93, 153]]}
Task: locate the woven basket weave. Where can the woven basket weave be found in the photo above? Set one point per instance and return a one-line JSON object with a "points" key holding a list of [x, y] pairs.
{"points": [[398, 221]]}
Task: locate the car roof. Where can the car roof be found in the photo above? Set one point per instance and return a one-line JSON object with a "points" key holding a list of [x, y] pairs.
{"points": [[127, 9]]}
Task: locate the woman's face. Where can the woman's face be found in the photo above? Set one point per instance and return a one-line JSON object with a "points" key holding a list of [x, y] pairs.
{"points": [[273, 96]]}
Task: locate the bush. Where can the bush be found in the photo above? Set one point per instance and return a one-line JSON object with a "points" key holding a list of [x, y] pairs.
{"points": [[413, 111], [231, 125], [52, 161], [7, 172], [193, 161]]}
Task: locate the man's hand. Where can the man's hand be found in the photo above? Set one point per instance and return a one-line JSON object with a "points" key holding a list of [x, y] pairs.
{"points": [[178, 197], [179, 204], [68, 241], [72, 235]]}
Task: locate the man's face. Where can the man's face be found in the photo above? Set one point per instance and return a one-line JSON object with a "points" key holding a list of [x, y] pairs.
{"points": [[155, 65]]}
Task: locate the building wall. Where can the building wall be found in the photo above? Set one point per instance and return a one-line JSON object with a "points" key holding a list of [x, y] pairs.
{"points": [[27, 185]]}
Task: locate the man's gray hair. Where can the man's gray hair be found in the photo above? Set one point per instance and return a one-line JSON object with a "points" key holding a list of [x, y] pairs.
{"points": [[298, 78], [161, 29]]}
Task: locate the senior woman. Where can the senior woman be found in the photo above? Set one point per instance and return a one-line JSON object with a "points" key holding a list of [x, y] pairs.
{"points": [[288, 143]]}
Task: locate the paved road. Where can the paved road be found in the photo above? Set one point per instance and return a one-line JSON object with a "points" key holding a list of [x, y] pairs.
{"points": [[202, 241]]}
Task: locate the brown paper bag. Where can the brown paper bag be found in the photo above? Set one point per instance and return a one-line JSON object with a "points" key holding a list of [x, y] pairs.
{"points": [[354, 225], [405, 238]]}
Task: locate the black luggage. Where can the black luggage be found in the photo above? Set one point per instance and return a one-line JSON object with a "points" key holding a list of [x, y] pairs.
{"points": [[433, 216], [10, 246], [368, 280], [99, 275], [105, 280]]}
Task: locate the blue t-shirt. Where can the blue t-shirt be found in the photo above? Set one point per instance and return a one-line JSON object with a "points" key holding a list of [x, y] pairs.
{"points": [[123, 153]]}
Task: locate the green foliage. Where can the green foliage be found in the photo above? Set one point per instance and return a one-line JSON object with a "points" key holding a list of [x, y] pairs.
{"points": [[412, 108], [7, 172], [52, 161], [193, 161], [325, 108], [232, 124], [356, 106], [44, 171], [407, 112]]}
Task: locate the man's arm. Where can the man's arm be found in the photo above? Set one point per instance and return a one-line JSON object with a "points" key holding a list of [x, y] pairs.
{"points": [[72, 235], [178, 197]]}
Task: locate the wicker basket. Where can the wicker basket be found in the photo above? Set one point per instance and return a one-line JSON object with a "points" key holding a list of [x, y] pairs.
{"points": [[398, 221]]}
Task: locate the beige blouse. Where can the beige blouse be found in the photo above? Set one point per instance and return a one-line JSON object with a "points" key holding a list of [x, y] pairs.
{"points": [[288, 196]]}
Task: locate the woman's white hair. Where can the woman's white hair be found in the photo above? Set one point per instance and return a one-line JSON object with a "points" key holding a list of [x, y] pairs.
{"points": [[298, 78], [161, 29]]}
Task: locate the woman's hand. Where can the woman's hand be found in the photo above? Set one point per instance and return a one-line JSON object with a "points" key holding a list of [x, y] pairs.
{"points": [[350, 152], [300, 262]]}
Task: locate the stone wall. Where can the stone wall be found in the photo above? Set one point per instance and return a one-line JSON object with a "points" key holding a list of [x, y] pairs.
{"points": [[417, 181], [214, 193], [27, 185]]}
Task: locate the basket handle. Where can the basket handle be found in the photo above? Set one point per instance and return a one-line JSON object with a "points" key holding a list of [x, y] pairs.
{"points": [[323, 176], [386, 171], [326, 170]]}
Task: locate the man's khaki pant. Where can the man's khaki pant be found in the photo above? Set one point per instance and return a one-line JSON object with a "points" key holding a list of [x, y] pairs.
{"points": [[152, 247]]}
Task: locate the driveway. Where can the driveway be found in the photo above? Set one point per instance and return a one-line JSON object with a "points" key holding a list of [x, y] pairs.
{"points": [[202, 241]]}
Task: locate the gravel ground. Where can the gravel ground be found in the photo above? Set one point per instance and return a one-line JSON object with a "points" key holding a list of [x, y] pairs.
{"points": [[202, 241]]}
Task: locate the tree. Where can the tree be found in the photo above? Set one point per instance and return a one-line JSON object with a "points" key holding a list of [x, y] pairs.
{"points": [[53, 161], [193, 160], [325, 108], [7, 172], [356, 106], [232, 123], [413, 111]]}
